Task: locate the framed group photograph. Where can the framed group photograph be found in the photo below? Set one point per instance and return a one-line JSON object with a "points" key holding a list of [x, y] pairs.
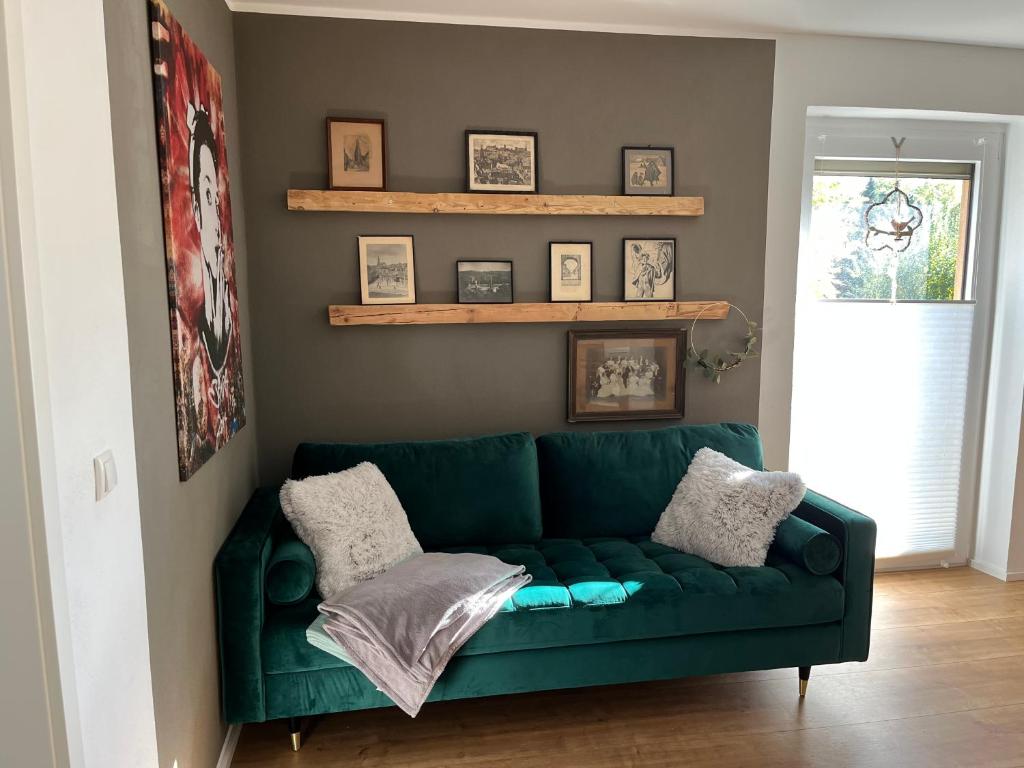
{"points": [[484, 282], [387, 272], [572, 270], [623, 375], [649, 266], [648, 171], [501, 161], [356, 153]]}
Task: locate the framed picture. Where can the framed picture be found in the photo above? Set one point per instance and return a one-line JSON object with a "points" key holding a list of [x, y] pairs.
{"points": [[357, 153], [648, 170], [501, 161], [622, 375], [387, 272], [484, 282], [572, 271], [649, 266], [195, 189]]}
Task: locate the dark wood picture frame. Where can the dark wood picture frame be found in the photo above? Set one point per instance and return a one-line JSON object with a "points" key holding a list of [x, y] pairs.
{"points": [[675, 269], [412, 271], [511, 280], [551, 286], [672, 180], [383, 153], [678, 335], [469, 163]]}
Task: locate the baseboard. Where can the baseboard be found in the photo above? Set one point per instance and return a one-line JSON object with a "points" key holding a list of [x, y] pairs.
{"points": [[227, 752], [1000, 573]]}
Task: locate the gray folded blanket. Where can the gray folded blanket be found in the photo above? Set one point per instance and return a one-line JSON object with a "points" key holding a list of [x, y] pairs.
{"points": [[401, 628]]}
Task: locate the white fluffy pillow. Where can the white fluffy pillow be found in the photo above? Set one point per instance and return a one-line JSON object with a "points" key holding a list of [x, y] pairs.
{"points": [[353, 522], [725, 512]]}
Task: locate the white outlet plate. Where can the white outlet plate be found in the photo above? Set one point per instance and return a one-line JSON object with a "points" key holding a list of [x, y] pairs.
{"points": [[105, 470]]}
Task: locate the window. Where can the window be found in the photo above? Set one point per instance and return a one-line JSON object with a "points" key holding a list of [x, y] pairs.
{"points": [[934, 266], [890, 348]]}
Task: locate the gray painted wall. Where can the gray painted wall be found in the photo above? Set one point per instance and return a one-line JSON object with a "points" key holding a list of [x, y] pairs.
{"points": [[587, 95], [183, 524]]}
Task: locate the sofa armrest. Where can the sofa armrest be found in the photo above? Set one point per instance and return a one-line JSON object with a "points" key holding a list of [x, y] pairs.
{"points": [[856, 534], [238, 578]]}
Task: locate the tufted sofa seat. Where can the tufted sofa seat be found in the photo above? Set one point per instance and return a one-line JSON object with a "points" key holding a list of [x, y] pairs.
{"points": [[609, 589], [606, 604], [606, 589]]}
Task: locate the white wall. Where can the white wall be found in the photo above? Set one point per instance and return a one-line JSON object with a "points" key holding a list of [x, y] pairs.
{"points": [[815, 71], [32, 724], [1005, 539], [25, 732], [74, 310]]}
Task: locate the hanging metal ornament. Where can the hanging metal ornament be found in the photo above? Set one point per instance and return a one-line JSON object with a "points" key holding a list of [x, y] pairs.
{"points": [[893, 220]]}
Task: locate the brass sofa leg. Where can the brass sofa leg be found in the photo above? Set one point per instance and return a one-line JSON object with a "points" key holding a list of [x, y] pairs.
{"points": [[295, 729], [805, 675]]}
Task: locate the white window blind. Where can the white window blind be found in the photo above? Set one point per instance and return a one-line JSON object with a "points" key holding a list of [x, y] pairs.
{"points": [[880, 393]]}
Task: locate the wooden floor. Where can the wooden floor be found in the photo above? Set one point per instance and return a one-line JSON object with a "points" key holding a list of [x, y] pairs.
{"points": [[944, 687]]}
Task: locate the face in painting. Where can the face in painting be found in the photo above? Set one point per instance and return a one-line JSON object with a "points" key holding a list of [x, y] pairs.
{"points": [[206, 209], [215, 329]]}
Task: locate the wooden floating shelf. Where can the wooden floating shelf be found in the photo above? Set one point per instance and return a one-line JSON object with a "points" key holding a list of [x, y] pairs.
{"points": [[459, 202], [570, 312]]}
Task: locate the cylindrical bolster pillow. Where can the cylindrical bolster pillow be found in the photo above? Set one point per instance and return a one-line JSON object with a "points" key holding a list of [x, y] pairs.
{"points": [[291, 571], [808, 545]]}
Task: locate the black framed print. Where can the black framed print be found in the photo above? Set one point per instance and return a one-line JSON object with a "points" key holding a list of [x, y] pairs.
{"points": [[387, 273], [501, 161], [484, 282], [648, 171], [571, 271], [625, 375], [649, 269]]}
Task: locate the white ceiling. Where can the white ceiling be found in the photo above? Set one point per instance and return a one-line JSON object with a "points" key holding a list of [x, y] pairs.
{"points": [[981, 22]]}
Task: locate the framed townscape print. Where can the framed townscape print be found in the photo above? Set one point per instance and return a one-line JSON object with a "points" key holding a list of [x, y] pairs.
{"points": [[649, 267], [357, 153], [648, 170], [501, 161], [387, 272], [621, 375], [484, 282], [572, 269], [206, 350]]}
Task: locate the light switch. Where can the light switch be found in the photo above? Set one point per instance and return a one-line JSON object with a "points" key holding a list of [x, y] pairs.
{"points": [[106, 474]]}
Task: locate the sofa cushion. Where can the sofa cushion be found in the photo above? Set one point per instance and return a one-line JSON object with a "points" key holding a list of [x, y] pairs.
{"points": [[455, 492], [602, 590], [353, 522], [290, 573], [725, 512], [619, 483], [805, 543]]}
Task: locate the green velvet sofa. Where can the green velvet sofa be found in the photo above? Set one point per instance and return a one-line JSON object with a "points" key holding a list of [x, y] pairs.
{"points": [[606, 604]]}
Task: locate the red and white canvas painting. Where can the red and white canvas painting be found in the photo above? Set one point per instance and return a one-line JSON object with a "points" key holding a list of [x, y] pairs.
{"points": [[205, 343]]}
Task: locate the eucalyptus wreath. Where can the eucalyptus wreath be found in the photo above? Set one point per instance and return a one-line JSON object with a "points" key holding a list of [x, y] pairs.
{"points": [[714, 364]]}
